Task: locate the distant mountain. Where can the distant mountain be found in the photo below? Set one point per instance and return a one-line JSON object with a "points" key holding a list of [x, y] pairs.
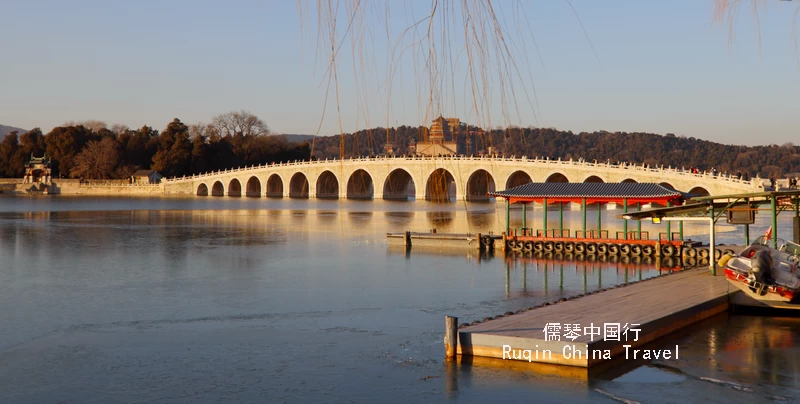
{"points": [[4, 130]]}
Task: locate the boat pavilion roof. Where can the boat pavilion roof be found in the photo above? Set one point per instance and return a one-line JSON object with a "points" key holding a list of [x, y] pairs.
{"points": [[591, 192]]}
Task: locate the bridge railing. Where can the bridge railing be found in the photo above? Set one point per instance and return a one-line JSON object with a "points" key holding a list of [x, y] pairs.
{"points": [[522, 159]]}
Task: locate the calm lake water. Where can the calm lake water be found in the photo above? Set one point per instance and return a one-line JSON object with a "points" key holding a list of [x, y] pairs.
{"points": [[262, 300]]}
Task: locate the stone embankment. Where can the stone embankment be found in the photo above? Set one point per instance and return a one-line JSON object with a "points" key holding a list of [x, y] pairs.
{"points": [[14, 186]]}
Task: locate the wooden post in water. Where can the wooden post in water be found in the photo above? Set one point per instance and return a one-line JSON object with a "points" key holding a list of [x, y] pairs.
{"points": [[450, 337], [408, 240]]}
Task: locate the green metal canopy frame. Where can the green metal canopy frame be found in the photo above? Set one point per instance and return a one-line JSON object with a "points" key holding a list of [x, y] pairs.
{"points": [[712, 207]]}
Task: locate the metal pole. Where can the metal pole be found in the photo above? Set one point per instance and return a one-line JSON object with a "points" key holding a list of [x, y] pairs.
{"points": [[599, 221], [639, 222], [583, 210], [508, 217], [747, 226], [711, 247], [524, 216], [544, 201], [669, 225], [774, 204], [625, 221]]}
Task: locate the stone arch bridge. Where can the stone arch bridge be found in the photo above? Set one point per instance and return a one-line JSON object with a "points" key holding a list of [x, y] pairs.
{"points": [[441, 178]]}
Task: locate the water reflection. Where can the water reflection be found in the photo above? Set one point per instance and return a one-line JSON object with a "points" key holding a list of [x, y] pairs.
{"points": [[160, 287]]}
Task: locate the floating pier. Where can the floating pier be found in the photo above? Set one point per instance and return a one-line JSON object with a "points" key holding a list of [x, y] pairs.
{"points": [[478, 241], [647, 309]]}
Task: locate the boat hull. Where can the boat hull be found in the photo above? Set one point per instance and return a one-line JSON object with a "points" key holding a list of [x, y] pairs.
{"points": [[770, 295]]}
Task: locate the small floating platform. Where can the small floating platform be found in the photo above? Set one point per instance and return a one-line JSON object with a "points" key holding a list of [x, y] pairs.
{"points": [[656, 307], [445, 240]]}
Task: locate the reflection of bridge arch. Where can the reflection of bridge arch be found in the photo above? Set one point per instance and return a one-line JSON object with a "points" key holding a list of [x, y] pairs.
{"points": [[327, 185], [699, 191], [518, 178], [557, 177], [202, 190], [275, 186], [399, 185], [360, 185], [298, 186], [480, 183], [441, 186], [234, 187], [218, 189], [593, 178], [253, 188]]}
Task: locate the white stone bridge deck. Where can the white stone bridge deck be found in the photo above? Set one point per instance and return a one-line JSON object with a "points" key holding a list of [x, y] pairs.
{"points": [[460, 177]]}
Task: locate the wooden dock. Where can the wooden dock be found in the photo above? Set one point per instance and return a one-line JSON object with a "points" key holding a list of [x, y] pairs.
{"points": [[445, 240], [656, 307]]}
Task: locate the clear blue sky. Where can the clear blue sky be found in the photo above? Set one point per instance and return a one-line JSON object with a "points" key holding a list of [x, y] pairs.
{"points": [[664, 67]]}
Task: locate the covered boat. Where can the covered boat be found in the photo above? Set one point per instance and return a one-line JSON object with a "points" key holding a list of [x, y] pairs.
{"points": [[770, 276]]}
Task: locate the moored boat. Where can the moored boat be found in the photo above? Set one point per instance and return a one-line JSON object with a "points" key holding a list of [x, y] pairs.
{"points": [[768, 275]]}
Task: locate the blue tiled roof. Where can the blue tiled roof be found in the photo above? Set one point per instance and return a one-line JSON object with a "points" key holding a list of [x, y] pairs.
{"points": [[588, 190]]}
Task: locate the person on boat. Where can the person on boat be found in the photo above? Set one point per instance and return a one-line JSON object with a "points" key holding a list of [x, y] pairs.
{"points": [[762, 266]]}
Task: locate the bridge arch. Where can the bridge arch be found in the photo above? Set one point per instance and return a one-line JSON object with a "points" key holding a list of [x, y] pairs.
{"points": [[666, 185], [480, 182], [234, 187], [699, 191], [327, 185], [298, 186], [202, 190], [360, 185], [275, 186], [399, 184], [518, 178], [441, 186], [253, 188], [218, 189], [630, 181], [593, 178], [557, 177]]}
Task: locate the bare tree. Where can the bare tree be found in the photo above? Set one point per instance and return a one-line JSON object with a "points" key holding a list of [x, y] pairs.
{"points": [[119, 128], [91, 124], [204, 130], [240, 123], [97, 160]]}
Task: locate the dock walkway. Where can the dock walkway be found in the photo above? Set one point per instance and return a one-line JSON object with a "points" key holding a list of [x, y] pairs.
{"points": [[656, 307]]}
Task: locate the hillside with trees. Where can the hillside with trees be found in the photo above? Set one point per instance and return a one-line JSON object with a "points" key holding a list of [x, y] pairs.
{"points": [[92, 150], [638, 148]]}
